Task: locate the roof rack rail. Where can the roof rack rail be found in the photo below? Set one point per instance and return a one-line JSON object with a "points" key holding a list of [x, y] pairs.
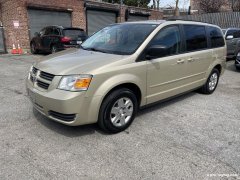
{"points": [[191, 20]]}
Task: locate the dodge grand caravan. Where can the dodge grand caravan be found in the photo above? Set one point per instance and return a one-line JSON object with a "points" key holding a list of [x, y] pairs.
{"points": [[124, 67]]}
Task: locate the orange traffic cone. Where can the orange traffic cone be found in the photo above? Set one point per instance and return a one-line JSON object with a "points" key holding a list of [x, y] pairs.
{"points": [[19, 50], [14, 50]]}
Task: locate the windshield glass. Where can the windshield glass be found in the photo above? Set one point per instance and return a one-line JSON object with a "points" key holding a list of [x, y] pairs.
{"points": [[119, 39]]}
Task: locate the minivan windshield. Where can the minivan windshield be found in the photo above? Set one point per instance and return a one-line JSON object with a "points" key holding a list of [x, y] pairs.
{"points": [[121, 39]]}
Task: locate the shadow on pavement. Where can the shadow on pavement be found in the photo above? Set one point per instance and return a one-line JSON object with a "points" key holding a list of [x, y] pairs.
{"points": [[165, 103], [231, 67], [69, 131]]}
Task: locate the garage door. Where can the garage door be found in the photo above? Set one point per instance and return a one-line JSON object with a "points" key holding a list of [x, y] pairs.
{"points": [[137, 18], [39, 19], [97, 20], [2, 44]]}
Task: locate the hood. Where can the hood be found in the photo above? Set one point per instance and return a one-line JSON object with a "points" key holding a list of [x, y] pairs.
{"points": [[75, 61]]}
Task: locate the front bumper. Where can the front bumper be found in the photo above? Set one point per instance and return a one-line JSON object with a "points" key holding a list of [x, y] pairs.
{"points": [[69, 108]]}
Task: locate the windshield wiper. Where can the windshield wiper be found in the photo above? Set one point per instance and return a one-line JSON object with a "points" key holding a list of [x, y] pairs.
{"points": [[94, 49]]}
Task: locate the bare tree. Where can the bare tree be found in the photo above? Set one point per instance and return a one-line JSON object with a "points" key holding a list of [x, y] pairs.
{"points": [[156, 4], [235, 5], [211, 6]]}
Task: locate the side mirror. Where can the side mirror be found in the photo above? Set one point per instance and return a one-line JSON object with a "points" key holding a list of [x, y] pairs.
{"points": [[156, 51], [36, 34], [229, 37]]}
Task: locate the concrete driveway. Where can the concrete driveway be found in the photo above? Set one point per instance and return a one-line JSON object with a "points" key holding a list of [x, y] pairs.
{"points": [[193, 137]]}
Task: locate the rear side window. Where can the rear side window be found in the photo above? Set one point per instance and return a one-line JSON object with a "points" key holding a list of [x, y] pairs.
{"points": [[216, 37], [196, 38]]}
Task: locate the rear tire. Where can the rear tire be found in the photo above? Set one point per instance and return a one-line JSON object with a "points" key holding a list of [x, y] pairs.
{"points": [[212, 82], [118, 111]]}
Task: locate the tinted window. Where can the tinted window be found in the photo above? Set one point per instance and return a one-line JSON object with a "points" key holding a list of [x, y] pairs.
{"points": [[195, 37], [73, 33], [216, 37], [48, 31], [233, 32], [237, 34], [168, 38], [56, 31]]}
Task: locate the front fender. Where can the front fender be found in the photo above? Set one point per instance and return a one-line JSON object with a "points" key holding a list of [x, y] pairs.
{"points": [[117, 80], [105, 87]]}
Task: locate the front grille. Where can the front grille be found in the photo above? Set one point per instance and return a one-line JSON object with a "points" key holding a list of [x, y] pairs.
{"points": [[63, 117], [46, 76], [39, 77], [34, 70], [31, 78], [42, 84]]}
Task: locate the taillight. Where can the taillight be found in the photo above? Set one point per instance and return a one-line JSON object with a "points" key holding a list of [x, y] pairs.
{"points": [[65, 39]]}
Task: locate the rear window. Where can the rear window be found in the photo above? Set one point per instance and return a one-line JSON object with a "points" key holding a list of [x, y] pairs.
{"points": [[73, 33], [216, 37], [196, 38]]}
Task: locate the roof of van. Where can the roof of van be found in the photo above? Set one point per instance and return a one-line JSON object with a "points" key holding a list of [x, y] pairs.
{"points": [[170, 20]]}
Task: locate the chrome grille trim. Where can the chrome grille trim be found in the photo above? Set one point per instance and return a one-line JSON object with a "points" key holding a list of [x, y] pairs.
{"points": [[42, 85], [41, 79], [46, 76]]}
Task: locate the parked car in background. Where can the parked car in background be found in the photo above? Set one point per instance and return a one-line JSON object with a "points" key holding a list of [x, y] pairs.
{"points": [[124, 67], [56, 38], [232, 37], [237, 61]]}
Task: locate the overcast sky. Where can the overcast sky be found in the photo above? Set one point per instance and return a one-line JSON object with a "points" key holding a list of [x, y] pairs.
{"points": [[182, 3]]}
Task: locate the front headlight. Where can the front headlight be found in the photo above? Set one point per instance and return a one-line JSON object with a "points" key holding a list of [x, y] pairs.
{"points": [[75, 82]]}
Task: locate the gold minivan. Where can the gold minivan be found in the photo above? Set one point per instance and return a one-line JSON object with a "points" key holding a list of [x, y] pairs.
{"points": [[124, 67]]}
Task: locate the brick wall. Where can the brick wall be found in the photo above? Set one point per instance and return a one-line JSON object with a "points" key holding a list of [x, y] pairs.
{"points": [[12, 10], [156, 15], [0, 14]]}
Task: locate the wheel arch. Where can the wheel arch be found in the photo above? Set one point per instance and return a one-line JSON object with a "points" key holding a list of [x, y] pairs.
{"points": [[131, 86], [218, 67]]}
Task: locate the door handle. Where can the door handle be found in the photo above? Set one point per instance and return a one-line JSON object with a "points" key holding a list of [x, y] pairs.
{"points": [[191, 59], [180, 61]]}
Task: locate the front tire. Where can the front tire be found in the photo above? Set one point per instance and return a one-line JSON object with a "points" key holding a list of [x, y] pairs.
{"points": [[118, 111], [212, 82]]}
